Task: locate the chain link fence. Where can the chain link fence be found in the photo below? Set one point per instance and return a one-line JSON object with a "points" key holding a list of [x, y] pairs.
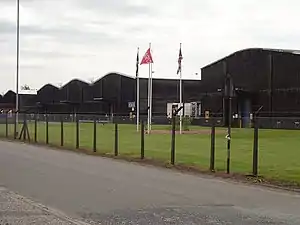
{"points": [[272, 153]]}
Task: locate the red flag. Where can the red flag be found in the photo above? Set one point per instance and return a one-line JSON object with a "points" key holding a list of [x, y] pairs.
{"points": [[147, 57]]}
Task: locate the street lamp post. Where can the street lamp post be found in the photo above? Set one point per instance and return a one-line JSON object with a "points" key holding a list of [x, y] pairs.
{"points": [[18, 56]]}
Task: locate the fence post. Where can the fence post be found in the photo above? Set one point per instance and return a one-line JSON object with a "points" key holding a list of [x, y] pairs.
{"points": [[255, 149], [15, 125], [212, 150], [116, 140], [47, 129], [77, 132], [95, 135], [142, 139], [35, 127], [61, 130], [24, 126], [6, 124], [173, 140], [229, 141]]}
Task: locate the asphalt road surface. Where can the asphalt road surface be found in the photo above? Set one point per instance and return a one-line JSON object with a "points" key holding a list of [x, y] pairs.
{"points": [[105, 191]]}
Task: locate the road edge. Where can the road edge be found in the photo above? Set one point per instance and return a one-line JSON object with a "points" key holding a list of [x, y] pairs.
{"points": [[234, 177], [49, 210]]}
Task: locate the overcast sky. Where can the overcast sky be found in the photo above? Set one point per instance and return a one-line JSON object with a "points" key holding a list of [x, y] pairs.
{"points": [[85, 39]]}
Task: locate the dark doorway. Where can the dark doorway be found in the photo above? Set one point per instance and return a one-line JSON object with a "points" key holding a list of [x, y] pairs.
{"points": [[244, 101]]}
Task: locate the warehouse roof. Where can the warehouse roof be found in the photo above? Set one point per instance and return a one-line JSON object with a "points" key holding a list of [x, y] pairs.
{"points": [[289, 51], [282, 50], [84, 83], [119, 74]]}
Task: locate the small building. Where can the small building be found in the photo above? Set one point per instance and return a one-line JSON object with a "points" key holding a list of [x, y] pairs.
{"points": [[26, 98]]}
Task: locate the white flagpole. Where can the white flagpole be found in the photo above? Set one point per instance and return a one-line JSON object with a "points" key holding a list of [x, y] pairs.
{"points": [[149, 93], [18, 56], [137, 97], [151, 96], [180, 97]]}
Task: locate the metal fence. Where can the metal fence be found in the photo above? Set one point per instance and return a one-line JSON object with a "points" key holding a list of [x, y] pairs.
{"points": [[272, 153]]}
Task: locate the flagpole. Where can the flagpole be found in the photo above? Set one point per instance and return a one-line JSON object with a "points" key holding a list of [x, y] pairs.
{"points": [[18, 56], [149, 93], [137, 94], [180, 98], [151, 98]]}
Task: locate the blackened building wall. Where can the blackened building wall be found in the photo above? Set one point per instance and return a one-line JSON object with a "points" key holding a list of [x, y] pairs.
{"points": [[267, 78], [8, 101], [110, 94]]}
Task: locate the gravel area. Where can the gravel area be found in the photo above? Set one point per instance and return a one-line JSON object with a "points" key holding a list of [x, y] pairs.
{"points": [[202, 215], [16, 209]]}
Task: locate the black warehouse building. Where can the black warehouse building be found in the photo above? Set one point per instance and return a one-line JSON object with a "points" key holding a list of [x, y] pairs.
{"points": [[256, 78], [266, 79], [111, 94]]}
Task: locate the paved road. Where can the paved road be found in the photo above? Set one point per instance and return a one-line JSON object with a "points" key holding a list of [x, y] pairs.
{"points": [[104, 191]]}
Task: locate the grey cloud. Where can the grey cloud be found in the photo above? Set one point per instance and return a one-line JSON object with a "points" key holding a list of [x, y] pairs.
{"points": [[42, 54], [7, 27], [66, 34], [119, 7], [61, 33], [135, 29], [33, 53], [80, 35], [77, 36], [53, 31], [31, 67], [14, 2], [5, 38]]}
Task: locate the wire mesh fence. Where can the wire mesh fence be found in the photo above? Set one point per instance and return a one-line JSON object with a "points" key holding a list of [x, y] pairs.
{"points": [[202, 146]]}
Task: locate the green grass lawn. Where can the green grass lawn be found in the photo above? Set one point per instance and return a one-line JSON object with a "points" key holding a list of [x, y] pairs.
{"points": [[279, 150]]}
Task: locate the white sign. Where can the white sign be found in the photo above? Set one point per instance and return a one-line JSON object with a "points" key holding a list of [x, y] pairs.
{"points": [[131, 104]]}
